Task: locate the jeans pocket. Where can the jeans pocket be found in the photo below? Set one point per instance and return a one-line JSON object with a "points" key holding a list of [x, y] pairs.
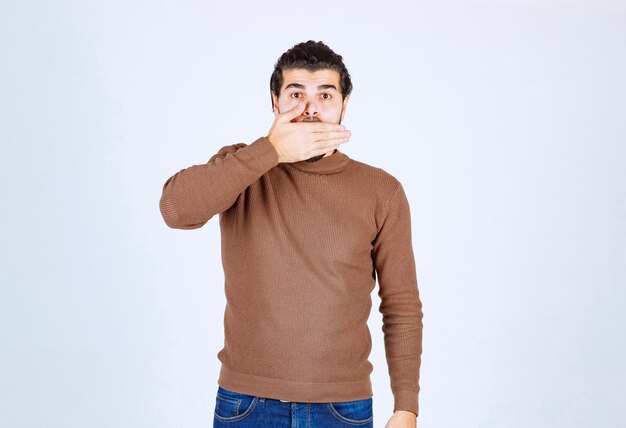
{"points": [[232, 406], [353, 412]]}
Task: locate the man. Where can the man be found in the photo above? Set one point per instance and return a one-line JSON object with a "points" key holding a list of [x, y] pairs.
{"points": [[305, 229]]}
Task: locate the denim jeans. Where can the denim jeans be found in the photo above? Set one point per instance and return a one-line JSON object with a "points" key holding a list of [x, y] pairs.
{"points": [[233, 409]]}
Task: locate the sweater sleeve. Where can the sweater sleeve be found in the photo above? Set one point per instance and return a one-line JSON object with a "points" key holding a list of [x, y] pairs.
{"points": [[400, 302], [192, 196]]}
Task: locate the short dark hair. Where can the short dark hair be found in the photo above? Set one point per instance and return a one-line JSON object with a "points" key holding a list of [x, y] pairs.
{"points": [[311, 56]]}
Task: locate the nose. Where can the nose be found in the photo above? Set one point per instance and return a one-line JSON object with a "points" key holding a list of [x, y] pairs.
{"points": [[311, 109]]}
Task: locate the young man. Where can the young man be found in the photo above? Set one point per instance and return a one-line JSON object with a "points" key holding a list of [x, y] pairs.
{"points": [[305, 230]]}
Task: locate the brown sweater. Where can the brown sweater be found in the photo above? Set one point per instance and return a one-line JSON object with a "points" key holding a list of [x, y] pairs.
{"points": [[302, 244]]}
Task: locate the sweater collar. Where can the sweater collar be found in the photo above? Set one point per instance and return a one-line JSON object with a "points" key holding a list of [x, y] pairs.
{"points": [[326, 165]]}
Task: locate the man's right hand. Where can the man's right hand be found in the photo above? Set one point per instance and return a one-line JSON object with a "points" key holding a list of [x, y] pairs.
{"points": [[303, 140]]}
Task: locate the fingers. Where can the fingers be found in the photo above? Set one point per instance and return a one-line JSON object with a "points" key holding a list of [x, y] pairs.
{"points": [[326, 145], [334, 142], [323, 126], [295, 111], [331, 135]]}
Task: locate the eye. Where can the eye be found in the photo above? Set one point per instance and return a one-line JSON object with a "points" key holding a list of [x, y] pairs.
{"points": [[329, 96], [295, 93]]}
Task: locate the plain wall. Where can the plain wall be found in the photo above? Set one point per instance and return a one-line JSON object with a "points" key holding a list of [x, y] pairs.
{"points": [[505, 122]]}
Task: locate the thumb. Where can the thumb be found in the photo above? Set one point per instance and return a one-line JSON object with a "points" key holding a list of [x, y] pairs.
{"points": [[295, 111]]}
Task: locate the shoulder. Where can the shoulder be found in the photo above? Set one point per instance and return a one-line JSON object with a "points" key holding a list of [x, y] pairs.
{"points": [[384, 187], [382, 182]]}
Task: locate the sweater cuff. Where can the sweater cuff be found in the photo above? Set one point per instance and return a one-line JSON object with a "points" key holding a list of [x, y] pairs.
{"points": [[406, 400]]}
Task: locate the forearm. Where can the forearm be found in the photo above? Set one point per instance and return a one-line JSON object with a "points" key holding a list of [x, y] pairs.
{"points": [[192, 196]]}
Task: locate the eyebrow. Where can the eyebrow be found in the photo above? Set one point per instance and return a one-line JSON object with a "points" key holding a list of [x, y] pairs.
{"points": [[301, 86]]}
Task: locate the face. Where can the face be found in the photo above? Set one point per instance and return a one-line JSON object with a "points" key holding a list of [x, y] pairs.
{"points": [[319, 90]]}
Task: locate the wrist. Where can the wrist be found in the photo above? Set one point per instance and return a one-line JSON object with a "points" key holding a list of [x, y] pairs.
{"points": [[406, 413]]}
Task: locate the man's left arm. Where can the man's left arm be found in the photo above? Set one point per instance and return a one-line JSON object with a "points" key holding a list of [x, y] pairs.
{"points": [[400, 305]]}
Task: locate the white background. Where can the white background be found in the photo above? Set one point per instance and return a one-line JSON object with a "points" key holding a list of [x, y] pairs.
{"points": [[505, 122]]}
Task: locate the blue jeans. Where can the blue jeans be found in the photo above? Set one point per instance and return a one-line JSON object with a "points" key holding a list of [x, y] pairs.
{"points": [[233, 409]]}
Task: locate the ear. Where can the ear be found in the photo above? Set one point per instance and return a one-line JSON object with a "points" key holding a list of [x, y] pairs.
{"points": [[274, 102], [344, 106]]}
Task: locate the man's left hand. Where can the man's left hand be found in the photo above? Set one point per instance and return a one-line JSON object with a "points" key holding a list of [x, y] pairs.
{"points": [[402, 419]]}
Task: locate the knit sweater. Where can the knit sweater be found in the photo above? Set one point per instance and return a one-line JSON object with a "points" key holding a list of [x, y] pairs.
{"points": [[302, 244]]}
